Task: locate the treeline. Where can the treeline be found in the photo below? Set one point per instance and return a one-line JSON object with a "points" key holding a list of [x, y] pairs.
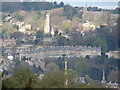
{"points": [[28, 6], [24, 78], [103, 37], [115, 11], [90, 68]]}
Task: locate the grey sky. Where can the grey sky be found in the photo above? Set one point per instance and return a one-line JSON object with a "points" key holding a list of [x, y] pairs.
{"points": [[85, 0], [102, 3], [69, 0], [107, 4]]}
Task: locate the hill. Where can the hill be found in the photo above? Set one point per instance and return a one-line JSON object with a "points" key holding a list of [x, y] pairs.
{"points": [[28, 6]]}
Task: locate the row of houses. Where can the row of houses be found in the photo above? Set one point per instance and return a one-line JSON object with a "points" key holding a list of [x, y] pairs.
{"points": [[9, 43], [58, 51]]}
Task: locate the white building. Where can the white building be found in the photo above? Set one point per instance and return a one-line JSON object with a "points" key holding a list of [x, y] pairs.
{"points": [[112, 85], [41, 76], [10, 57], [114, 54]]}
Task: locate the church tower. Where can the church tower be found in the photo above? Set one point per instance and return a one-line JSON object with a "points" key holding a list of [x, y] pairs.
{"points": [[47, 24], [103, 78]]}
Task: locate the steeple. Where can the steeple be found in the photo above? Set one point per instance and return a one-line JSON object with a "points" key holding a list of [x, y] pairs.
{"points": [[84, 12], [103, 77], [85, 8]]}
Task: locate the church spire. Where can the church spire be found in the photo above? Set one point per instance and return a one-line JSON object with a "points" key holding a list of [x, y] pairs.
{"points": [[103, 77], [86, 7]]}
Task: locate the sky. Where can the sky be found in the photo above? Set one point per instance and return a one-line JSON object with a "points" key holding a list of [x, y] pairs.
{"points": [[106, 4], [85, 0], [68, 0]]}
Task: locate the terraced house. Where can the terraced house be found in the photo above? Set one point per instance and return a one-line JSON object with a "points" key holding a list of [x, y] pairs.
{"points": [[58, 51]]}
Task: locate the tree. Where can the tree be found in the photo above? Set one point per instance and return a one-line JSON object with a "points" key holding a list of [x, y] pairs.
{"points": [[55, 81], [67, 26], [52, 68], [17, 35], [39, 34], [55, 4], [81, 67], [51, 81], [19, 18], [69, 11], [113, 76], [16, 27], [61, 40], [61, 4], [95, 73], [22, 78], [60, 63], [37, 16]]}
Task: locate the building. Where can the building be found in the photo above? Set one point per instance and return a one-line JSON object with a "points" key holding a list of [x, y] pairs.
{"points": [[24, 28], [114, 54], [41, 76], [112, 85], [8, 43], [29, 38], [8, 18], [58, 51], [79, 80], [10, 57], [47, 27], [88, 26], [103, 78], [47, 41], [109, 84]]}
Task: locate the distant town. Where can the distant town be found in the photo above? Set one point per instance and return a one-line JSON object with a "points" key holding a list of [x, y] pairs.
{"points": [[75, 47]]}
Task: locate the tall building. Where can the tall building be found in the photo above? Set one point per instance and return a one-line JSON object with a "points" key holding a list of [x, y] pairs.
{"points": [[103, 78], [47, 24], [85, 9], [84, 12]]}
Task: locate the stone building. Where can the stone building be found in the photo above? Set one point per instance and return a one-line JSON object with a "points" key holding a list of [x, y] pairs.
{"points": [[103, 81], [112, 85], [8, 18], [114, 54], [8, 43], [108, 84], [47, 24], [24, 28], [58, 51]]}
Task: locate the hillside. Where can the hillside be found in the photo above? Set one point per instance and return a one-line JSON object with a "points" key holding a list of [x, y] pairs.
{"points": [[11, 6]]}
